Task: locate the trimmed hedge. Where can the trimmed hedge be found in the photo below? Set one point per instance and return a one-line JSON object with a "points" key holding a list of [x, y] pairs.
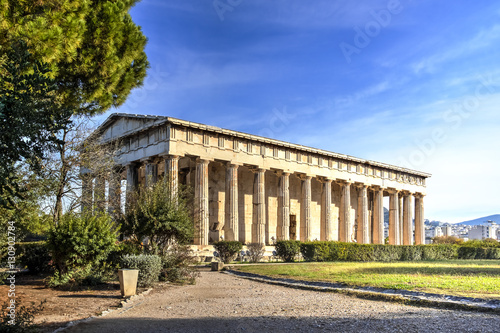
{"points": [[228, 250], [149, 267], [287, 250], [339, 251]]}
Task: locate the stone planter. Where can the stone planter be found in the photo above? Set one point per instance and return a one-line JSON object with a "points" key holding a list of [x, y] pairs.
{"points": [[128, 281], [217, 265]]}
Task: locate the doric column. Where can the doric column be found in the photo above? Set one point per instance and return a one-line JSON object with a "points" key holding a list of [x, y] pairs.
{"points": [[115, 193], [378, 216], [283, 229], [87, 189], [231, 232], [345, 231], [394, 218], [100, 194], [419, 219], [305, 208], [326, 211], [132, 181], [407, 220], [259, 201], [172, 172], [363, 235], [201, 212], [151, 172], [401, 218]]}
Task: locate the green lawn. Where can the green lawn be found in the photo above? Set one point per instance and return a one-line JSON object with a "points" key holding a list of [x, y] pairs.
{"points": [[474, 278]]}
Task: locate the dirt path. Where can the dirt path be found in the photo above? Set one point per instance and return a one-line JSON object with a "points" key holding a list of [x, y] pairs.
{"points": [[224, 303]]}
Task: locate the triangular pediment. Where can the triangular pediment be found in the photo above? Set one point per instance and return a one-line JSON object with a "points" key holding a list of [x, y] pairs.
{"points": [[120, 125]]}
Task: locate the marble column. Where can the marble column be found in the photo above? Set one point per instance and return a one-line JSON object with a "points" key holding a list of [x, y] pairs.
{"points": [[326, 211], [363, 235], [419, 219], [259, 201], [151, 172], [378, 216], [305, 209], [100, 194], [115, 193], [231, 232], [87, 193], [132, 182], [401, 218], [172, 173], [283, 229], [201, 209], [345, 230], [407, 220], [394, 218]]}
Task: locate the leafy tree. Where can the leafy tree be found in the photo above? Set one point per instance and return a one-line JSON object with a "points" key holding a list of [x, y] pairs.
{"points": [[93, 48], [28, 119], [447, 240], [160, 217], [81, 241]]}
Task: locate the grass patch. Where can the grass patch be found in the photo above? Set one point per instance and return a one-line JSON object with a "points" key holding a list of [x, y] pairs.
{"points": [[472, 278]]}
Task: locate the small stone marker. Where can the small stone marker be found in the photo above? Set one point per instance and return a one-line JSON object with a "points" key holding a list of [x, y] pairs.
{"points": [[217, 265]]}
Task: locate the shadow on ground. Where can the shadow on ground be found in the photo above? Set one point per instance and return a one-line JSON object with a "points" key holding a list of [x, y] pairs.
{"points": [[406, 322]]}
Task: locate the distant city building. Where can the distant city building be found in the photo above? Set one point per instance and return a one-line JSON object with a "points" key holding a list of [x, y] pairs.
{"points": [[486, 230], [447, 231]]}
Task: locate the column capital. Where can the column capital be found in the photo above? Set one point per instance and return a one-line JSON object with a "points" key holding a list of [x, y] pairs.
{"points": [[202, 160], [343, 182], [256, 168], [392, 190], [232, 165], [322, 179], [377, 187], [418, 195], [361, 185], [303, 176], [282, 172], [169, 156]]}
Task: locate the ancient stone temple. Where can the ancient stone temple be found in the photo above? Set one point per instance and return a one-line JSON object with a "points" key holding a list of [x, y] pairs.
{"points": [[258, 190]]}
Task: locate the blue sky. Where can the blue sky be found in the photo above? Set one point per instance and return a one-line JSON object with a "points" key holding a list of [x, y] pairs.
{"points": [[410, 83]]}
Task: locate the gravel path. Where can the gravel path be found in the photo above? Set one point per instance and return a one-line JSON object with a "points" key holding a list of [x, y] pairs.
{"points": [[225, 303]]}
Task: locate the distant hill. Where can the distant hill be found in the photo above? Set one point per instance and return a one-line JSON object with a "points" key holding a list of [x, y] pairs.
{"points": [[481, 220]]}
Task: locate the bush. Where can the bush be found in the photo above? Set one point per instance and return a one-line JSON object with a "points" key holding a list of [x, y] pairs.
{"points": [[315, 251], [80, 241], [149, 267], [160, 216], [439, 252], [24, 318], [177, 264], [287, 250], [35, 256], [256, 251], [228, 250], [123, 248]]}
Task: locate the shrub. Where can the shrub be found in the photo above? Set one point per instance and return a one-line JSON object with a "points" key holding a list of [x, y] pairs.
{"points": [[24, 318], [160, 216], [228, 250], [439, 252], [149, 267], [287, 250], [80, 241], [315, 251], [256, 251], [177, 264], [35, 256], [123, 248]]}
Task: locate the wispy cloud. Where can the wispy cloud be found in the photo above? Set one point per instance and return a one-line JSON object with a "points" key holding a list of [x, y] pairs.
{"points": [[483, 39]]}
